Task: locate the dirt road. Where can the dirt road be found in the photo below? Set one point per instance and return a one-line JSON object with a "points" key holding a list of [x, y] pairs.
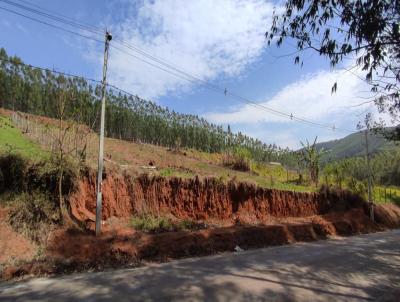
{"points": [[360, 268]]}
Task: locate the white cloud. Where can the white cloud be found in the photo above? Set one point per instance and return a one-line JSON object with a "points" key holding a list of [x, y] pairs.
{"points": [[206, 38], [309, 98]]}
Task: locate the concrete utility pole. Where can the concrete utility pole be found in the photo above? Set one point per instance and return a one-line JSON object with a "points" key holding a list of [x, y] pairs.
{"points": [[108, 38], [371, 213]]}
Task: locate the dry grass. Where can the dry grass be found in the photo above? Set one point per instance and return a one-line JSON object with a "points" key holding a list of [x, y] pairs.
{"points": [[137, 158]]}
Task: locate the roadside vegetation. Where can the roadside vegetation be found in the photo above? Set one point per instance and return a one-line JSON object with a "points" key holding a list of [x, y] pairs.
{"points": [[30, 190], [159, 224], [48, 140], [42, 144], [351, 173]]}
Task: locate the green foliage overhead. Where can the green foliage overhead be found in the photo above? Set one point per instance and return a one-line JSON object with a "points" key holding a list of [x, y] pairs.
{"points": [[364, 31]]}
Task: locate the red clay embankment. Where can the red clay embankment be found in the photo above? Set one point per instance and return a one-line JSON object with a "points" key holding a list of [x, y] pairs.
{"points": [[251, 217], [198, 199]]}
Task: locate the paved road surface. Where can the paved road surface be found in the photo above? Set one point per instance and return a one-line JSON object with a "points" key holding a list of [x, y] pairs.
{"points": [[361, 268]]}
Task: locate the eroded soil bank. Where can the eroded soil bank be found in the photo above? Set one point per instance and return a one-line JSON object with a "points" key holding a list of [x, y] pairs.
{"points": [[205, 199], [237, 214], [71, 250], [13, 246]]}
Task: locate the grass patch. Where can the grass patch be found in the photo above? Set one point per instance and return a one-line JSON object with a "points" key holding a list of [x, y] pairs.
{"points": [[279, 173], [157, 224], [12, 141], [151, 224], [189, 224], [265, 182], [380, 193], [170, 172], [166, 172], [386, 194]]}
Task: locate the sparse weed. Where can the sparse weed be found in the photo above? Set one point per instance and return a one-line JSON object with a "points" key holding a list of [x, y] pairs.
{"points": [[189, 224], [157, 224], [33, 214], [151, 224], [166, 172]]}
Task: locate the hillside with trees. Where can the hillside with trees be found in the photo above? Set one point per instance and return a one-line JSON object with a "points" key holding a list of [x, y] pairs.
{"points": [[32, 90], [354, 145]]}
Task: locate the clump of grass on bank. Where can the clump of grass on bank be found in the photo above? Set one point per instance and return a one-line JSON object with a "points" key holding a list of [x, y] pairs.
{"points": [[238, 159], [152, 224], [157, 224], [170, 172], [188, 224]]}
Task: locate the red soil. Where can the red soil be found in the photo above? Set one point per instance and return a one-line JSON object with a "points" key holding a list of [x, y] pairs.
{"points": [[80, 246], [13, 246], [73, 250], [246, 216], [388, 214], [197, 199]]}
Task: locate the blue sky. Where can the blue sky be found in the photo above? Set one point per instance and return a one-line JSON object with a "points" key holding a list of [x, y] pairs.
{"points": [[220, 42]]}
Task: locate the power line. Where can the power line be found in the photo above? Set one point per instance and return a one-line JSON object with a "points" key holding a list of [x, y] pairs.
{"points": [[50, 70], [68, 75], [50, 24], [63, 19], [96, 28], [98, 81], [238, 97], [219, 89], [177, 71], [192, 78]]}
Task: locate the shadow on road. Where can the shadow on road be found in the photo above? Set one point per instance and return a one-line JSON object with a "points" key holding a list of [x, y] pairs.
{"points": [[362, 268]]}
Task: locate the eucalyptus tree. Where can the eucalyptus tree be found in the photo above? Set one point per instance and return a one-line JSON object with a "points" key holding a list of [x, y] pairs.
{"points": [[365, 31], [130, 118]]}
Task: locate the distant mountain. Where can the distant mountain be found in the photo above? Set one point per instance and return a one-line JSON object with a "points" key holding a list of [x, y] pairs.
{"points": [[354, 145]]}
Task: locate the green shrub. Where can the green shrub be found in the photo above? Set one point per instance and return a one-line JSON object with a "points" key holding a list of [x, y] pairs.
{"points": [[13, 169], [238, 159], [17, 176]]}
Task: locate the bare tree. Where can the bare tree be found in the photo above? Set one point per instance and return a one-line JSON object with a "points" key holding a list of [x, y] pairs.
{"points": [[69, 132]]}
